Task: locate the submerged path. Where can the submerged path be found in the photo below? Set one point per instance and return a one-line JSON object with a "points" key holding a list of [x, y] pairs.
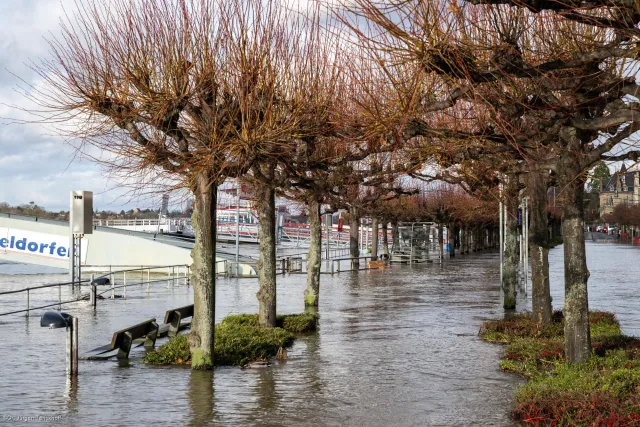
{"points": [[395, 347]]}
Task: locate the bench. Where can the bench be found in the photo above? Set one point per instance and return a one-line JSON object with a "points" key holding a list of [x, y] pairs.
{"points": [[175, 316], [123, 339]]}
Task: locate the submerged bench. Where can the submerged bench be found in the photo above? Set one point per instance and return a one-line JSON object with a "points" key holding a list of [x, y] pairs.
{"points": [[146, 333], [123, 339], [175, 316]]}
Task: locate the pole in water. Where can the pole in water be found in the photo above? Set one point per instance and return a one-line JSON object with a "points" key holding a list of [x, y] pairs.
{"points": [[501, 227], [526, 245], [238, 223]]}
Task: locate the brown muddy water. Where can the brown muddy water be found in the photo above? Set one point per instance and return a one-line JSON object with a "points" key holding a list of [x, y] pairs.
{"points": [[397, 347]]}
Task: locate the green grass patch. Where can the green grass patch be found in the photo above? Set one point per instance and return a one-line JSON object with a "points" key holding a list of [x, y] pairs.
{"points": [[518, 326], [297, 323], [239, 340], [603, 391], [294, 323]]}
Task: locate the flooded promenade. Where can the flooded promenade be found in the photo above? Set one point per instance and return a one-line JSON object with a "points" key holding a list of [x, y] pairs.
{"points": [[394, 347]]}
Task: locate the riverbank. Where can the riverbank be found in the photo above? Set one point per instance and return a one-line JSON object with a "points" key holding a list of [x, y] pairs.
{"points": [[602, 392]]}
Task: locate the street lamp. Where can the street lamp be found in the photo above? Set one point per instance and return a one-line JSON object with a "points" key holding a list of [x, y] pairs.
{"points": [[56, 320]]}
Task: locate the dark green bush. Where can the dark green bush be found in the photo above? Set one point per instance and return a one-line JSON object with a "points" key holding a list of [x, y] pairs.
{"points": [[239, 340]]}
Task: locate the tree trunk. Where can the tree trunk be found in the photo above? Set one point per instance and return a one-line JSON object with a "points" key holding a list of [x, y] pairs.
{"points": [[374, 238], [464, 240], [385, 241], [539, 244], [510, 277], [440, 242], [314, 258], [577, 336], [394, 235], [266, 207], [354, 237], [203, 274]]}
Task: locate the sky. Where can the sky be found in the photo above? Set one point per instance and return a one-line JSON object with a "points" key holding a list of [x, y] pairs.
{"points": [[36, 165]]}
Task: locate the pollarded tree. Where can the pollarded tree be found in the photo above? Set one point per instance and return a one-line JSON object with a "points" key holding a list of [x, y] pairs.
{"points": [[296, 68], [551, 78], [171, 90]]}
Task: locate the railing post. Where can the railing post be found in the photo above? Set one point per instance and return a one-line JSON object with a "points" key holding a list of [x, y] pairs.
{"points": [[124, 294], [27, 302], [112, 279], [93, 296], [168, 276]]}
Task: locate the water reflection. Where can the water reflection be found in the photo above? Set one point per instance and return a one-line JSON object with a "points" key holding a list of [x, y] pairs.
{"points": [[394, 347], [70, 397], [201, 398], [265, 387]]}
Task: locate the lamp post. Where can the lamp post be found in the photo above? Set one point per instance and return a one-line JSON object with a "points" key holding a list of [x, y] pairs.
{"points": [[56, 320]]}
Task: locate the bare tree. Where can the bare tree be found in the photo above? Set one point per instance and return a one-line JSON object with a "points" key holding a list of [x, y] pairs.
{"points": [[547, 81], [189, 91]]}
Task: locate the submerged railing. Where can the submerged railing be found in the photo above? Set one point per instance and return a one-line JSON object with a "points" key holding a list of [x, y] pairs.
{"points": [[117, 279]]}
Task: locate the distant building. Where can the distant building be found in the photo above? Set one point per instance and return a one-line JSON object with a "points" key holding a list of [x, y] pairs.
{"points": [[623, 187]]}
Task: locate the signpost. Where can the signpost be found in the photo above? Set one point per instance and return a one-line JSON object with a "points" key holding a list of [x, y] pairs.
{"points": [[238, 223], [80, 223]]}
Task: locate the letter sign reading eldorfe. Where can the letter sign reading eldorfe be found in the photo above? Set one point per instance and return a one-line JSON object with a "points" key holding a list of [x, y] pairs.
{"points": [[42, 245]]}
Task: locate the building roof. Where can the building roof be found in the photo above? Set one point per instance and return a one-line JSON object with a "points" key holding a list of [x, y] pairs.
{"points": [[621, 181]]}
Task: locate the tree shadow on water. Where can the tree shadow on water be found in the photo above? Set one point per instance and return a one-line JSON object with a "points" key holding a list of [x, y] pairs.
{"points": [[201, 398]]}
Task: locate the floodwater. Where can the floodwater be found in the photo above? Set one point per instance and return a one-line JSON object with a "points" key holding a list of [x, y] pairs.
{"points": [[397, 347]]}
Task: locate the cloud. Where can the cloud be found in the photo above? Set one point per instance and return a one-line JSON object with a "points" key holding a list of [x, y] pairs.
{"points": [[34, 164]]}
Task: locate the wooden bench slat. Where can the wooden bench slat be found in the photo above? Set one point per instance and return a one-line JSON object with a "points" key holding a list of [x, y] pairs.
{"points": [[136, 331], [186, 311]]}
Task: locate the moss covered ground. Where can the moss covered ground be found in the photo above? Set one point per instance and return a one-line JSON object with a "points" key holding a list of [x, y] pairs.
{"points": [[239, 340], [603, 391]]}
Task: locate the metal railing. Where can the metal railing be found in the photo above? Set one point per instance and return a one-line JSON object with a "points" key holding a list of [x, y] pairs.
{"points": [[118, 279], [112, 276], [352, 265], [33, 288]]}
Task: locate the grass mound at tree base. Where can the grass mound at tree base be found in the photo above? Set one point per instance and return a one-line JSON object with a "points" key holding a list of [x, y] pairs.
{"points": [[603, 391], [239, 340]]}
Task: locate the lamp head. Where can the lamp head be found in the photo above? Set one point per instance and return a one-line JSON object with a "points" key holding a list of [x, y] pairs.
{"points": [[55, 320]]}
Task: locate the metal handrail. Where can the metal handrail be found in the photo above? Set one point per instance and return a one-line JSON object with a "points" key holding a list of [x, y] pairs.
{"points": [[85, 282], [349, 259], [146, 268], [43, 306], [41, 287]]}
